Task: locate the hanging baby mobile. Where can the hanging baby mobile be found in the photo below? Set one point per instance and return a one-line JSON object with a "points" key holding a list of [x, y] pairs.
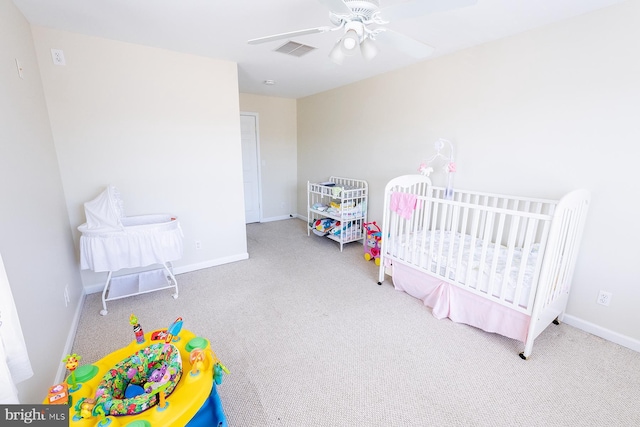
{"points": [[443, 162]]}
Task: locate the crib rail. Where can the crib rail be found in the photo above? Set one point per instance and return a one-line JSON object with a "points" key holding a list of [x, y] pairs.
{"points": [[487, 244]]}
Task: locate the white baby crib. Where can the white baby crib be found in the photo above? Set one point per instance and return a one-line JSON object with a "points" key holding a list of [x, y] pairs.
{"points": [[500, 263], [111, 241]]}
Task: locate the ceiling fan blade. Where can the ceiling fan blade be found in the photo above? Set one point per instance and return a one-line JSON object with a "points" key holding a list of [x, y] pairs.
{"points": [[416, 8], [289, 34], [338, 7], [405, 44]]}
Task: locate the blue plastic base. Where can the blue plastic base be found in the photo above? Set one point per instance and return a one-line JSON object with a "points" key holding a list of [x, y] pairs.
{"points": [[210, 413]]}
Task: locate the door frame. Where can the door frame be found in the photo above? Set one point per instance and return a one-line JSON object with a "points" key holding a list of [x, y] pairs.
{"points": [[258, 161]]}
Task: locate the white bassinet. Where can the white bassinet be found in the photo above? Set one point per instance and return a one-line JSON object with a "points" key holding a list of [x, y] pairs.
{"points": [[111, 241]]}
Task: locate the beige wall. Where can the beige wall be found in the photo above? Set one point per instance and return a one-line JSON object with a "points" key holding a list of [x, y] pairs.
{"points": [[278, 152], [35, 238], [160, 125], [537, 114]]}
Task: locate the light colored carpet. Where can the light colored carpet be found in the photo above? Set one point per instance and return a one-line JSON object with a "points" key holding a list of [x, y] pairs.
{"points": [[312, 340]]}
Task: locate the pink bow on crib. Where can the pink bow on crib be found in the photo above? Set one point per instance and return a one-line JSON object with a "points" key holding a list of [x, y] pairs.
{"points": [[403, 204]]}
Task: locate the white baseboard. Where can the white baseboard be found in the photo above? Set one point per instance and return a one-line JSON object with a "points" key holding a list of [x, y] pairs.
{"points": [[210, 263], [98, 287], [601, 332], [276, 218], [68, 345]]}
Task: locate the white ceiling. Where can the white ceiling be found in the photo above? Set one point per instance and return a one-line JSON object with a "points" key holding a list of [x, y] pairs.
{"points": [[220, 29]]}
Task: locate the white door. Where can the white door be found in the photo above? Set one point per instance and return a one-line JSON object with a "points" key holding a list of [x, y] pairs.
{"points": [[250, 166]]}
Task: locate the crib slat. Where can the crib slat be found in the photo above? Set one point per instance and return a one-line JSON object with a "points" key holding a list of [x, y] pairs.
{"points": [[496, 250], [462, 231], [511, 236], [524, 262], [418, 221], [453, 226], [472, 245], [487, 230], [441, 237], [432, 240]]}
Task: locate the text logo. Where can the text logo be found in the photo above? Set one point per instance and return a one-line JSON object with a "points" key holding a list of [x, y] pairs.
{"points": [[34, 415]]}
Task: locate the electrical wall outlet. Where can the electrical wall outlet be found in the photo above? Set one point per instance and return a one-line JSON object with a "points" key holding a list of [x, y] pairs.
{"points": [[198, 244], [604, 298], [58, 57]]}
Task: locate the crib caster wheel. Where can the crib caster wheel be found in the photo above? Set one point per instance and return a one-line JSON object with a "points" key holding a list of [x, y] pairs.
{"points": [[175, 296], [379, 283], [103, 312], [555, 321], [522, 356]]}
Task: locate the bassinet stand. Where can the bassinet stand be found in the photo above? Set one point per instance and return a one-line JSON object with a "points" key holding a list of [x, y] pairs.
{"points": [[138, 283]]}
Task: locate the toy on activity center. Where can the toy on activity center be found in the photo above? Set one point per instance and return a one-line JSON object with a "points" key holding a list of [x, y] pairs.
{"points": [[58, 395], [137, 329], [372, 242], [142, 384], [71, 363]]}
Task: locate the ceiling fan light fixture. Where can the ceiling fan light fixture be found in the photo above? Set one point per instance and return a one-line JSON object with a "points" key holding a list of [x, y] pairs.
{"points": [[349, 42], [368, 49], [363, 22], [336, 54]]}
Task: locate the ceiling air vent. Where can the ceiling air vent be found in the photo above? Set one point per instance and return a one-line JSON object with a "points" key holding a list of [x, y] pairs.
{"points": [[295, 49]]}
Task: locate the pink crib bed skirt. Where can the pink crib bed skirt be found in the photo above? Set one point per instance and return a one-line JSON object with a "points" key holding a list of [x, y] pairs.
{"points": [[459, 305]]}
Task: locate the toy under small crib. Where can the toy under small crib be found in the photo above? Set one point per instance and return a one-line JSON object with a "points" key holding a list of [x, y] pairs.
{"points": [[500, 263], [111, 241]]}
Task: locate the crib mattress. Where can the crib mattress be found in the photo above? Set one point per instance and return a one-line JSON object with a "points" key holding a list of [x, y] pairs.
{"points": [[478, 278], [140, 241]]}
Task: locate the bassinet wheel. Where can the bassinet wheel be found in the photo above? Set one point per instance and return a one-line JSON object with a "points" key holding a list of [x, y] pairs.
{"points": [[103, 312], [522, 356], [379, 283], [175, 296]]}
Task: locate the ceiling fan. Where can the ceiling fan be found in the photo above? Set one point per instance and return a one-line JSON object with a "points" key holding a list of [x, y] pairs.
{"points": [[362, 22]]}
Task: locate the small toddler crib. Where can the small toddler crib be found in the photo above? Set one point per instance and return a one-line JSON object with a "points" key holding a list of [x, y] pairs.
{"points": [[111, 241], [500, 263]]}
